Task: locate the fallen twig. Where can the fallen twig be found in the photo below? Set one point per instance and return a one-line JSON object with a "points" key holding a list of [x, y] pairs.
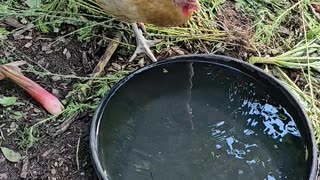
{"points": [[77, 153]]}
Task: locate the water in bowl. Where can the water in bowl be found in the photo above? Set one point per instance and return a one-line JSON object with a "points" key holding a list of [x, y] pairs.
{"points": [[196, 121]]}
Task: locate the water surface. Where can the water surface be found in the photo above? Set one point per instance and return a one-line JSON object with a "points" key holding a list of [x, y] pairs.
{"points": [[193, 121]]}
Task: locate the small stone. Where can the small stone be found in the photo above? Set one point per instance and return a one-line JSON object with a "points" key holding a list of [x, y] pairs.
{"points": [[17, 36], [62, 39], [42, 61], [141, 62], [178, 51], [13, 126], [28, 37], [56, 164], [36, 110], [65, 51], [23, 21], [56, 78], [53, 171], [49, 52], [84, 58], [55, 92], [46, 153], [60, 163], [116, 66], [29, 44], [45, 48], [68, 55]]}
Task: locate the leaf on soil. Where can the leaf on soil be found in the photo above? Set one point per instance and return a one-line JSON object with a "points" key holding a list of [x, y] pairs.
{"points": [[17, 115], [33, 3], [10, 155], [8, 101], [3, 33]]}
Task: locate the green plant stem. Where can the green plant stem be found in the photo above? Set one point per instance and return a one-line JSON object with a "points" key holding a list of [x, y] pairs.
{"points": [[300, 49], [305, 97], [109, 77], [275, 60]]}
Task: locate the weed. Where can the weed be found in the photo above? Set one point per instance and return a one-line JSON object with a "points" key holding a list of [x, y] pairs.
{"points": [[7, 101], [278, 21]]}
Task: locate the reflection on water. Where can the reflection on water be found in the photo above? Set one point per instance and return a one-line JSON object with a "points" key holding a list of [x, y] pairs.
{"points": [[199, 123], [262, 120], [278, 122]]}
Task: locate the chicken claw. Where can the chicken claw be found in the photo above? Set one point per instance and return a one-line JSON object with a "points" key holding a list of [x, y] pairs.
{"points": [[143, 45]]}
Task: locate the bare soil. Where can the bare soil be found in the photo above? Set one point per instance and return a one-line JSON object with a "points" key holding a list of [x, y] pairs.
{"points": [[51, 157]]}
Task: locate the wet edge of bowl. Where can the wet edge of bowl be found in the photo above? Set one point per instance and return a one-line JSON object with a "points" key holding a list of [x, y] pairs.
{"points": [[206, 58]]}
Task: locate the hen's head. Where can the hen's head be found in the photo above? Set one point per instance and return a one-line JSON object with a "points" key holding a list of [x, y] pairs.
{"points": [[188, 6]]}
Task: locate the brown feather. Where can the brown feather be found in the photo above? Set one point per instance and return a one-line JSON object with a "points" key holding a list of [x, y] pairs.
{"points": [[158, 12]]}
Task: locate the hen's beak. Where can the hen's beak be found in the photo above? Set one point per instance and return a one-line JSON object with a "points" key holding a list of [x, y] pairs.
{"points": [[190, 4], [195, 5]]}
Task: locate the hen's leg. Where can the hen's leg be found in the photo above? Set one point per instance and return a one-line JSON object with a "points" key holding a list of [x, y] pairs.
{"points": [[143, 45]]}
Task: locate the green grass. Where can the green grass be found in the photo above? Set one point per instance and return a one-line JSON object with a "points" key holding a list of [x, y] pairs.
{"points": [[277, 22], [280, 43]]}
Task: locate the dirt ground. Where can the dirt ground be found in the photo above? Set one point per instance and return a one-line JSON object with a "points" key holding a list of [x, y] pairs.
{"points": [[50, 158], [55, 157]]}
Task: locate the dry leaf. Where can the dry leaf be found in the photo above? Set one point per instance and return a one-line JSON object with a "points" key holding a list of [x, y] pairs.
{"points": [[10, 155]]}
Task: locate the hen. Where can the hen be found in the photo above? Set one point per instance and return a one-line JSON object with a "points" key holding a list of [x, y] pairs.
{"points": [[164, 13]]}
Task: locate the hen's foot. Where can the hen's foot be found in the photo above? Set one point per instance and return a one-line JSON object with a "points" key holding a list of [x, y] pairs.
{"points": [[143, 45]]}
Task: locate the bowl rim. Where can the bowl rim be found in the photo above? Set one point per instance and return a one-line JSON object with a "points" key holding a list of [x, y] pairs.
{"points": [[202, 58]]}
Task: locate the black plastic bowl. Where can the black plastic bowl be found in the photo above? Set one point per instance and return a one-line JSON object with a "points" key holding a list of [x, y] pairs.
{"points": [[173, 75]]}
